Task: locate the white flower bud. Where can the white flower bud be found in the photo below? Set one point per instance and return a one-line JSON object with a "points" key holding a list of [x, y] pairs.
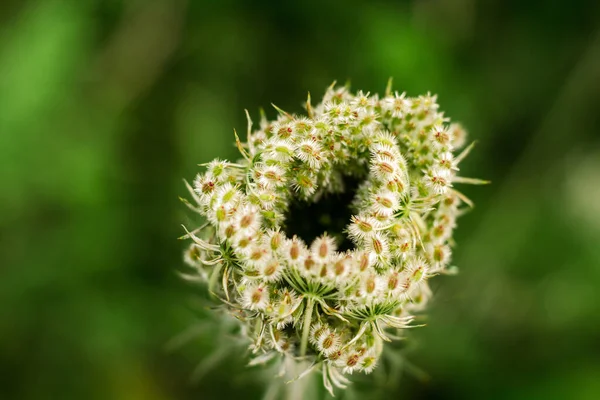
{"points": [[309, 151], [438, 180], [255, 297], [323, 248], [362, 228]]}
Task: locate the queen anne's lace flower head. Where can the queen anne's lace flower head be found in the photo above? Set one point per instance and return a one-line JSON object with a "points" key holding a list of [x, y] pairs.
{"points": [[315, 300]]}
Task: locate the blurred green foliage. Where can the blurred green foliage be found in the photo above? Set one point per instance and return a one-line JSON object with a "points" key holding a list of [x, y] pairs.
{"points": [[106, 105]]}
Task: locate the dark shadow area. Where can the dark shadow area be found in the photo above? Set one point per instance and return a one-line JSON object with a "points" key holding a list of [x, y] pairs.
{"points": [[330, 214]]}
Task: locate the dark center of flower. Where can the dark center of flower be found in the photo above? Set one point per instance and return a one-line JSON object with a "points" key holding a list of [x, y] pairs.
{"points": [[330, 214]]}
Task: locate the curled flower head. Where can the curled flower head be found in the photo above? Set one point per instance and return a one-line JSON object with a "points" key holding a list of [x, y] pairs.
{"points": [[337, 295]]}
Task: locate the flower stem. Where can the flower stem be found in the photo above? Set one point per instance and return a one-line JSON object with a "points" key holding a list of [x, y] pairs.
{"points": [[306, 325]]}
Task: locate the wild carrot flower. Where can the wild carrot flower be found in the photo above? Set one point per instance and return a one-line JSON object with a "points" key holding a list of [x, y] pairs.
{"points": [[335, 297]]}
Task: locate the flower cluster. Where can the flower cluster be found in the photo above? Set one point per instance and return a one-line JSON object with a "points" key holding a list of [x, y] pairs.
{"points": [[311, 300]]}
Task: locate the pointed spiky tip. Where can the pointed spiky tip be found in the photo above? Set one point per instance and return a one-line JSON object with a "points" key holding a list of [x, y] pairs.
{"points": [[308, 106], [322, 239], [282, 112], [388, 88]]}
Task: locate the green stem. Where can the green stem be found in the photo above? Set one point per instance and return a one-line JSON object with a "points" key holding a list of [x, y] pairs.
{"points": [[306, 325], [212, 280]]}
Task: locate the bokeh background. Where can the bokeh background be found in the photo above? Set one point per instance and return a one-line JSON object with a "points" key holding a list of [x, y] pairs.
{"points": [[106, 105]]}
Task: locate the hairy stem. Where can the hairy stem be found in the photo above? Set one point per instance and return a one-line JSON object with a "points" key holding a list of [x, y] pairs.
{"points": [[306, 325]]}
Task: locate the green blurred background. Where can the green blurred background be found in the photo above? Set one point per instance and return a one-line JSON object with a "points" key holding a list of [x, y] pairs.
{"points": [[106, 105]]}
